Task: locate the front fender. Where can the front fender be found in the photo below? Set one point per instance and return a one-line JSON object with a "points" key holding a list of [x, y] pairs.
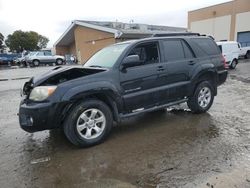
{"points": [[104, 88]]}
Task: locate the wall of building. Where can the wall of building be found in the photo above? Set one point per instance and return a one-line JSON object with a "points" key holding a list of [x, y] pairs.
{"points": [[72, 49], [61, 50], [242, 22], [89, 41], [218, 27], [228, 17]]}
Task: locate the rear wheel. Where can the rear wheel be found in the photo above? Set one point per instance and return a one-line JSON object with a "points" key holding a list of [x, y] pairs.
{"points": [[59, 62], [89, 123], [202, 99]]}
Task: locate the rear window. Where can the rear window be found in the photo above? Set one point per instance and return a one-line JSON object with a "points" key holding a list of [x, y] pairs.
{"points": [[207, 45]]}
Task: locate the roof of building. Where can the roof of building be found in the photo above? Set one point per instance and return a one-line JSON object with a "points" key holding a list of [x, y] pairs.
{"points": [[119, 29]]}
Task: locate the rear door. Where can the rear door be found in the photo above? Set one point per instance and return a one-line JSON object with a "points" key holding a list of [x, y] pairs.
{"points": [[179, 60], [140, 84], [48, 57]]}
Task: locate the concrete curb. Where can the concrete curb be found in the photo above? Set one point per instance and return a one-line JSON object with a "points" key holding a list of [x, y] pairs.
{"points": [[6, 79]]}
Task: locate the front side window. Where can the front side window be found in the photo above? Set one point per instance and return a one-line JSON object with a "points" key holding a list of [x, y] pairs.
{"points": [[40, 54], [148, 53]]}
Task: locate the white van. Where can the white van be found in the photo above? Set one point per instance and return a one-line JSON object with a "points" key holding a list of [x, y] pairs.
{"points": [[230, 51]]}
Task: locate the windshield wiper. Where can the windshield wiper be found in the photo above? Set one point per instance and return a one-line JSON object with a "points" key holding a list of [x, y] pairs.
{"points": [[98, 66]]}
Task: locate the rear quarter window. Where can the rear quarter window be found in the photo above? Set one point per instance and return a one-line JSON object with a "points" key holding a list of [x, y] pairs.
{"points": [[208, 46]]}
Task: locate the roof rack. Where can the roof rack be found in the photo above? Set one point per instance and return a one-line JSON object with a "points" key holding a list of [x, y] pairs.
{"points": [[175, 34]]}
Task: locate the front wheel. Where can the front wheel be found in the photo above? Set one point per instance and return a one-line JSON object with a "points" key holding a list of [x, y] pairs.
{"points": [[247, 55], [89, 123], [202, 99], [35, 63], [233, 64]]}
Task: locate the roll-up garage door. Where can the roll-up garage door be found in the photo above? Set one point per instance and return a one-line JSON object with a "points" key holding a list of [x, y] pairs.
{"points": [[244, 38]]}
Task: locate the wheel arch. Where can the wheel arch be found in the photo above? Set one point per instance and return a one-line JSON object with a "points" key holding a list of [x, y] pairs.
{"points": [[107, 96], [59, 58], [205, 75], [36, 60]]}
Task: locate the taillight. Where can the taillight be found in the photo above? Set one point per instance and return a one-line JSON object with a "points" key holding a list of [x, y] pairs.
{"points": [[224, 62]]}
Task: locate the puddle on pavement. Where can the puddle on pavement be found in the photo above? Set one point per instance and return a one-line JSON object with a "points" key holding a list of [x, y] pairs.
{"points": [[165, 148]]}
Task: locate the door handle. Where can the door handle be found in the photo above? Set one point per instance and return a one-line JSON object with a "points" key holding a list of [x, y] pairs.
{"points": [[191, 62], [160, 68]]}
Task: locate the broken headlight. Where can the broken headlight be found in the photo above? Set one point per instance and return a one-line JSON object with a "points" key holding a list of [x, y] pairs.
{"points": [[41, 93]]}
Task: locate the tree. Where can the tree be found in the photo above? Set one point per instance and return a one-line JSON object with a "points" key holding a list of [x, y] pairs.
{"points": [[42, 41], [1, 40], [21, 40]]}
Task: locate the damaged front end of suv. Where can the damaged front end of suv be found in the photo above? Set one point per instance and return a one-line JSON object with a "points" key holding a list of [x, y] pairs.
{"points": [[42, 106]]}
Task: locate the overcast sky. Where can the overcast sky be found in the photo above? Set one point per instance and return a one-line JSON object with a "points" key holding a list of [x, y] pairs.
{"points": [[51, 17]]}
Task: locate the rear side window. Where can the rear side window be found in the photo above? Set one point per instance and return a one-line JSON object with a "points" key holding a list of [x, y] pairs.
{"points": [[188, 53], [206, 45], [173, 50], [47, 53]]}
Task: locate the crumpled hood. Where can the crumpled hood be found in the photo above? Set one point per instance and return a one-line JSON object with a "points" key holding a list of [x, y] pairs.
{"points": [[62, 74]]}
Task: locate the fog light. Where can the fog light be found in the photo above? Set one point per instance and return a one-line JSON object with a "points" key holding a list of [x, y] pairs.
{"points": [[30, 121]]}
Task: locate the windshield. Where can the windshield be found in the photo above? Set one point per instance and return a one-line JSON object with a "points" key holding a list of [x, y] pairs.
{"points": [[31, 53], [107, 56]]}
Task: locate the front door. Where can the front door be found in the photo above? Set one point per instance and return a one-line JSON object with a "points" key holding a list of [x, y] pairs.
{"points": [[139, 83]]}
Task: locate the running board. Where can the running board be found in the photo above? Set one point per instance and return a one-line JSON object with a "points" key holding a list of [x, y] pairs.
{"points": [[136, 112]]}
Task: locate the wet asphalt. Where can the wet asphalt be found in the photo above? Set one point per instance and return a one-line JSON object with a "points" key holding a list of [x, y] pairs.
{"points": [[168, 148]]}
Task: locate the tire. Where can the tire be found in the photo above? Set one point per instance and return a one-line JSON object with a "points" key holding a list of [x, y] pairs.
{"points": [[202, 99], [35, 63], [81, 126], [233, 64], [59, 62], [247, 55]]}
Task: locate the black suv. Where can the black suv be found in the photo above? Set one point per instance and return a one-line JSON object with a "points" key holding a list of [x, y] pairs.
{"points": [[123, 80]]}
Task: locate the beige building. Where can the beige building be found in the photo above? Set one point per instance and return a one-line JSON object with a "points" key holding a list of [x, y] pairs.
{"points": [[84, 38], [226, 21]]}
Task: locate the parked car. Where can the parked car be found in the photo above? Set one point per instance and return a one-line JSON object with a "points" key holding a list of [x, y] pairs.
{"points": [[230, 51], [120, 81], [244, 51], [20, 61], [8, 59], [43, 57], [3, 60]]}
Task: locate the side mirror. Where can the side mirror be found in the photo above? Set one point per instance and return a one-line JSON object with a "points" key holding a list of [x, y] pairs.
{"points": [[130, 61]]}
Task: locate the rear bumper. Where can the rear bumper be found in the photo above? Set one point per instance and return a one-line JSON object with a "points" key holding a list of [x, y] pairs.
{"points": [[222, 76]]}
